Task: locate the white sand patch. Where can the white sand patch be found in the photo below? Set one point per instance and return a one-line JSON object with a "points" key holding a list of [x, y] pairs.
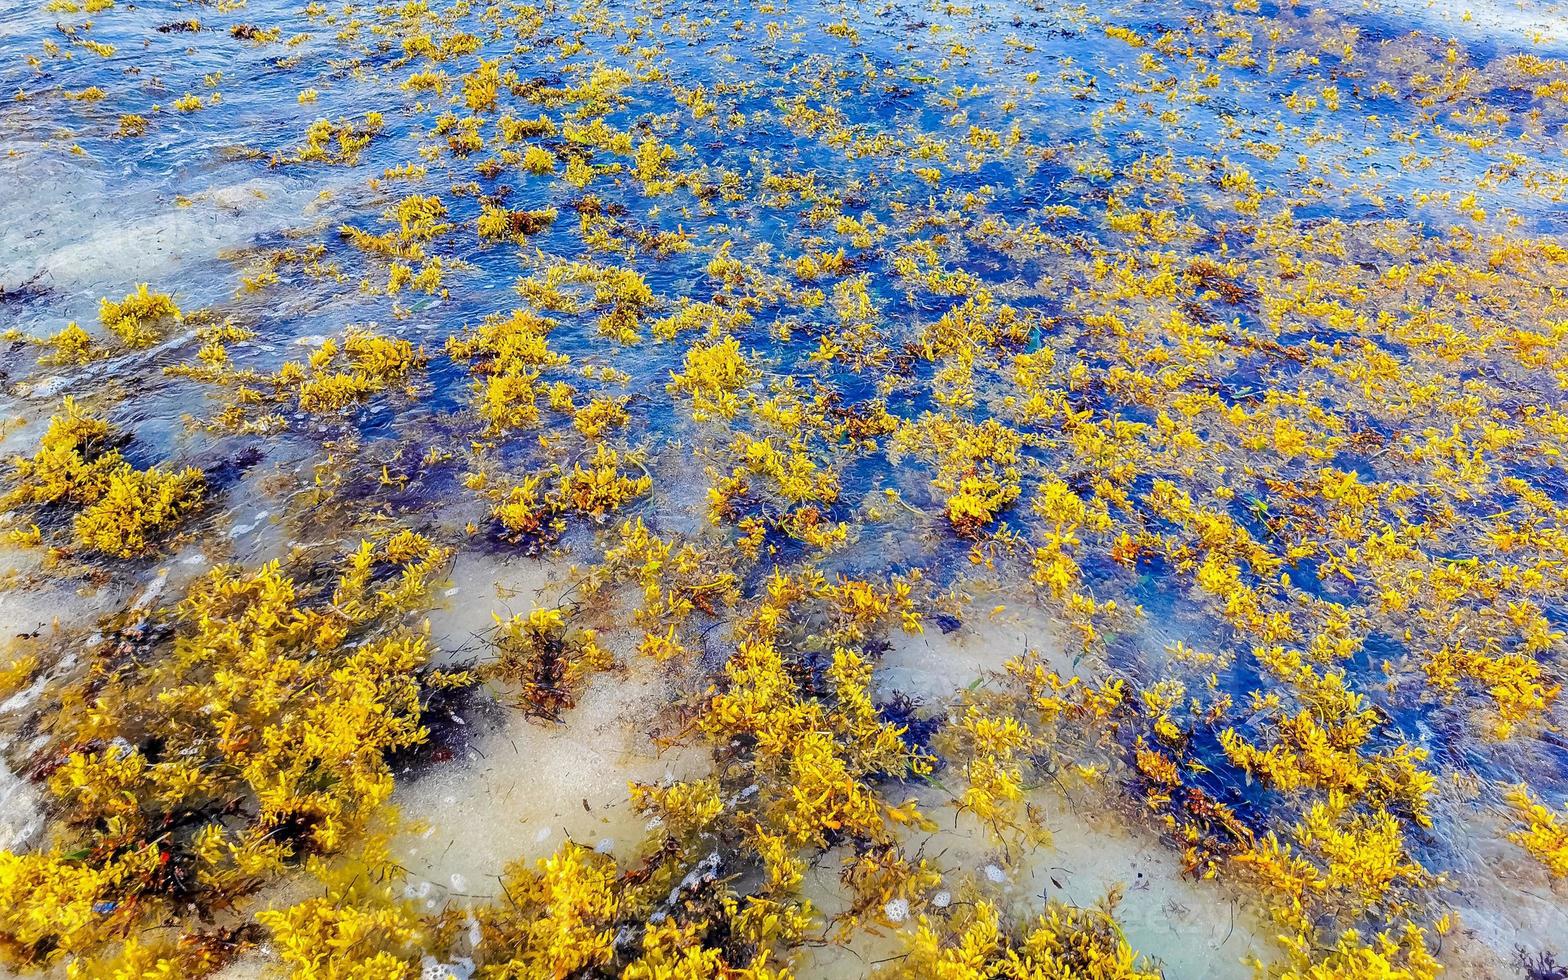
{"points": [[524, 791], [251, 966], [933, 665], [74, 233], [483, 587], [1506, 902], [1521, 24], [59, 603], [1191, 928], [141, 247], [21, 819]]}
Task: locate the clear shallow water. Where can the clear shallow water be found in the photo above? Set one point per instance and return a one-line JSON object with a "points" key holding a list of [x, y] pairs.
{"points": [[1248, 254]]}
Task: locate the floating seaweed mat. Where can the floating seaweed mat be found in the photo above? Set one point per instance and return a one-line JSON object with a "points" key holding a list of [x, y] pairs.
{"points": [[766, 489]]}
